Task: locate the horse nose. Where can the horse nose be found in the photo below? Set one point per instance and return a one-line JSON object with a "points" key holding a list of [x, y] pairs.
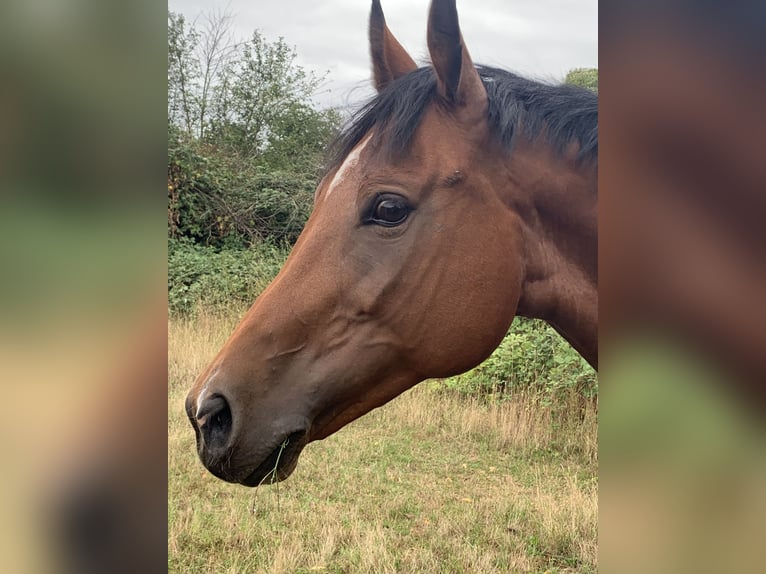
{"points": [[213, 418]]}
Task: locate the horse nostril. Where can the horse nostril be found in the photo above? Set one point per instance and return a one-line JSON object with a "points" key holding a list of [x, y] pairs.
{"points": [[214, 420]]}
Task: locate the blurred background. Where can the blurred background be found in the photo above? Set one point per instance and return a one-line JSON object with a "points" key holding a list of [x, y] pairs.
{"points": [[682, 174], [82, 285]]}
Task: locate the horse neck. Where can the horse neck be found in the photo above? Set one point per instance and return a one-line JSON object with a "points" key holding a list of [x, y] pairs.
{"points": [[556, 200]]}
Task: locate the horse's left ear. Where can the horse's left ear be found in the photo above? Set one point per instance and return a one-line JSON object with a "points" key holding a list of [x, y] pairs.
{"points": [[457, 80]]}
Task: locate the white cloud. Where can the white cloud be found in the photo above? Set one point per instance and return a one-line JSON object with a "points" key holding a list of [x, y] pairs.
{"points": [[539, 38]]}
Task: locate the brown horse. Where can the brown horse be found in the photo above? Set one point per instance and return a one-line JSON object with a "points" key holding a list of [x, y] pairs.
{"points": [[459, 197]]}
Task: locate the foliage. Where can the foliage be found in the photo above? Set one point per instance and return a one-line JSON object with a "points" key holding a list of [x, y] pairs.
{"points": [[200, 276], [531, 358], [298, 137], [211, 202], [584, 77], [183, 69], [245, 142], [260, 86]]}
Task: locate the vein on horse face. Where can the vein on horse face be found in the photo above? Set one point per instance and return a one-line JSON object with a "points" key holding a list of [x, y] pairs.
{"points": [[349, 163]]}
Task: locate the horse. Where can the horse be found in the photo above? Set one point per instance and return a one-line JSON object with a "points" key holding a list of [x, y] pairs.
{"points": [[457, 198]]}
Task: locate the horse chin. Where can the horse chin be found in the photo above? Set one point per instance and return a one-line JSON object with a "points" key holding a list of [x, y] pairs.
{"points": [[279, 464], [330, 422]]}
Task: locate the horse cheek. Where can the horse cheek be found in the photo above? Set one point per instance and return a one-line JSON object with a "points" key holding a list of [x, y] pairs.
{"points": [[475, 311]]}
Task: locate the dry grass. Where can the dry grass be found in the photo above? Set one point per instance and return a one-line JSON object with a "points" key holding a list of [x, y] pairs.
{"points": [[428, 483]]}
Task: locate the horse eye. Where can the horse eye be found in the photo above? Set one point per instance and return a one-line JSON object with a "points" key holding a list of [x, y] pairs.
{"points": [[390, 211]]}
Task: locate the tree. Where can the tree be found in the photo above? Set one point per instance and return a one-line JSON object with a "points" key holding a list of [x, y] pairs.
{"points": [[215, 51], [261, 87], [584, 77], [245, 141], [300, 127], [183, 74], [236, 96], [197, 62]]}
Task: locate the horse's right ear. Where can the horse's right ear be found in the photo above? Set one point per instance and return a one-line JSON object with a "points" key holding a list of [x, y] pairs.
{"points": [[389, 60]]}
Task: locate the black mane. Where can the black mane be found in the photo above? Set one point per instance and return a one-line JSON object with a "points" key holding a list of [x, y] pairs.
{"points": [[564, 113]]}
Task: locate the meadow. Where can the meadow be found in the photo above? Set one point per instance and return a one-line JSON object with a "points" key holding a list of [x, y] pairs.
{"points": [[435, 481]]}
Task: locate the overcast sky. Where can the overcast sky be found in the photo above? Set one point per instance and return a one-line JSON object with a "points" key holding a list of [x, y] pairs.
{"points": [[541, 39]]}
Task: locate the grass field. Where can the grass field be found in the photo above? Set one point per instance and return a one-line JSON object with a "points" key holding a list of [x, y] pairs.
{"points": [[431, 482]]}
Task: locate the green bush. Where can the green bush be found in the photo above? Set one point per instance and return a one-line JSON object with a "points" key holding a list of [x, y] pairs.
{"points": [[212, 202], [583, 77], [532, 358], [245, 139], [226, 278]]}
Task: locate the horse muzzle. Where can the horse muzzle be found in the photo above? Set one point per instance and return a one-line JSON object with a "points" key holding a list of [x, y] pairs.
{"points": [[267, 456]]}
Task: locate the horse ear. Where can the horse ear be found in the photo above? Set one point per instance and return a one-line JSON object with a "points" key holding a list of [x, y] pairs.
{"points": [[389, 60], [458, 82]]}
